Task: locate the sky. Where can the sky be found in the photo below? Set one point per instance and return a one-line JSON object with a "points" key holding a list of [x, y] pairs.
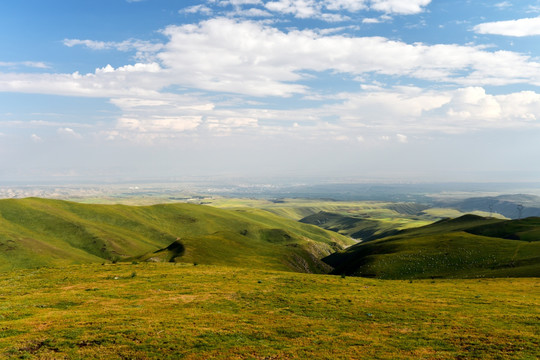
{"points": [[368, 90]]}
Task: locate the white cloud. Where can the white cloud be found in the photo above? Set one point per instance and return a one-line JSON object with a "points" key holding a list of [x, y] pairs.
{"points": [[92, 44], [69, 132], [253, 59], [227, 125], [402, 138], [36, 138], [503, 5], [30, 64], [160, 124], [403, 7], [250, 13], [319, 9], [242, 2], [518, 28], [247, 57], [223, 55], [348, 5], [144, 50], [409, 110], [202, 9], [370, 21], [299, 8]]}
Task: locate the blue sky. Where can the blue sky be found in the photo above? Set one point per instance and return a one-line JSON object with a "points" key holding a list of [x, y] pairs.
{"points": [[393, 90]]}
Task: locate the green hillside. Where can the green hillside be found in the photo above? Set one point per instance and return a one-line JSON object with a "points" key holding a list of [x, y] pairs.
{"points": [[469, 246], [40, 232], [356, 227]]}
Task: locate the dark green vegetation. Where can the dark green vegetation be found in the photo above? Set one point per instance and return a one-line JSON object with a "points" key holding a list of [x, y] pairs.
{"points": [[39, 232], [465, 247], [181, 311]]}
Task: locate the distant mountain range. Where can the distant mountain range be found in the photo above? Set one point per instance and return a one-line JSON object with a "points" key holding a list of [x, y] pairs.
{"points": [[510, 206]]}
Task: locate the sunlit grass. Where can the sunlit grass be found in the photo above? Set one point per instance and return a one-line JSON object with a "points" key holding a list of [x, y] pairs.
{"points": [[167, 311]]}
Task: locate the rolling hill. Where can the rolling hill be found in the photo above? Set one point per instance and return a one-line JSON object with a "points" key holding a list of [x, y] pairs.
{"points": [[356, 227], [465, 247], [38, 232]]}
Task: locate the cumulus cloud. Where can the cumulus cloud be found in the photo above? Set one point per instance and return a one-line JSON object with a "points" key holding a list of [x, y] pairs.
{"points": [[410, 110], [517, 28], [251, 58], [247, 57]]}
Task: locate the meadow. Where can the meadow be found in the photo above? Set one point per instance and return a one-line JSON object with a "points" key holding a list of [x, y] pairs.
{"points": [[182, 311]]}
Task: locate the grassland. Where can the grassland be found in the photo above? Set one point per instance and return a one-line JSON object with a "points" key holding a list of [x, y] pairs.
{"points": [[41, 232], [181, 311], [466, 247]]}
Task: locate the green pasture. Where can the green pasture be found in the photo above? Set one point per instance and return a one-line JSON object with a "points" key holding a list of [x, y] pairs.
{"points": [[182, 311]]}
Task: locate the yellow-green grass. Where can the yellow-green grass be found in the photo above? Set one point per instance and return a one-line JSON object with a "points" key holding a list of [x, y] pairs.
{"points": [[168, 311], [453, 213], [38, 232]]}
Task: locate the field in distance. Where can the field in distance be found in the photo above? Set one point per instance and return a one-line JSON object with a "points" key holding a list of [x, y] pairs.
{"points": [[172, 311]]}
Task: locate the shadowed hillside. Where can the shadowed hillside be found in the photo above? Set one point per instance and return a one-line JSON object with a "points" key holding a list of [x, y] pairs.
{"points": [[39, 232], [468, 246]]}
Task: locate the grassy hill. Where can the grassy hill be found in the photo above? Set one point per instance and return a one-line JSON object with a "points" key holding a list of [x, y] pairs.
{"points": [[465, 247], [41, 232], [354, 226], [163, 311]]}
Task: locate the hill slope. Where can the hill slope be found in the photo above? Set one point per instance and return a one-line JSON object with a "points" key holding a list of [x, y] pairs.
{"points": [[469, 246], [40, 232], [355, 227]]}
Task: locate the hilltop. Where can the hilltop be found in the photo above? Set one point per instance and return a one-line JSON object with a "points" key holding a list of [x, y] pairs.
{"points": [[38, 232], [464, 247]]}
